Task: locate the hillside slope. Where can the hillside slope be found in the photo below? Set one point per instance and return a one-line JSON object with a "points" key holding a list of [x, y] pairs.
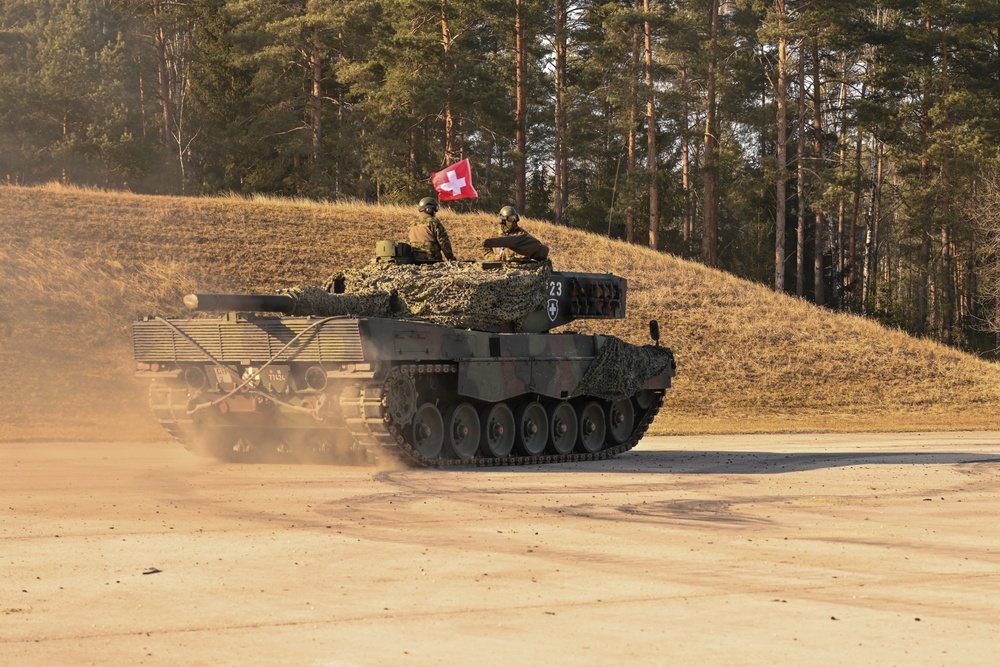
{"points": [[76, 267]]}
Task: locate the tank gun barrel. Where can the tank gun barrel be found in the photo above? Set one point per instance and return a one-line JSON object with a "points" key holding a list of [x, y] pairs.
{"points": [[270, 303]]}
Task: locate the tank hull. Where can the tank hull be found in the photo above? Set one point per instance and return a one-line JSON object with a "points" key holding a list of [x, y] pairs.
{"points": [[251, 386]]}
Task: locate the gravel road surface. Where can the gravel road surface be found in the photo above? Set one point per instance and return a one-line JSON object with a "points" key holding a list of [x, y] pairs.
{"points": [[750, 550]]}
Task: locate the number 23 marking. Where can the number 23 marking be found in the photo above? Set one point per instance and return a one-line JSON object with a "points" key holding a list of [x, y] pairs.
{"points": [[555, 289]]}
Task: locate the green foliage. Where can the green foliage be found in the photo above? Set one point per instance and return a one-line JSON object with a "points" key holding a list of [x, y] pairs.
{"points": [[353, 100]]}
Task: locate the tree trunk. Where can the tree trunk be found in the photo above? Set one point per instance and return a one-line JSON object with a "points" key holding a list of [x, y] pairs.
{"points": [[654, 198], [488, 175], [782, 181], [561, 187], [923, 310], [450, 151], [521, 94], [855, 207], [687, 224], [411, 143], [818, 283], [163, 78], [923, 262], [866, 270], [947, 251], [64, 171], [800, 178], [841, 285], [633, 117], [710, 226], [316, 104], [872, 235]]}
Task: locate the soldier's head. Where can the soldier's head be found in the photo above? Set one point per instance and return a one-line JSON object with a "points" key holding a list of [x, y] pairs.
{"points": [[509, 219], [428, 205]]}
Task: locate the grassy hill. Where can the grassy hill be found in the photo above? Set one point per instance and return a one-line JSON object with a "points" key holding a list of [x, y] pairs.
{"points": [[77, 266]]}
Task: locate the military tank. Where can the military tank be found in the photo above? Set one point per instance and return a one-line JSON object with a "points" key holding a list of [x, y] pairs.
{"points": [[440, 365]]}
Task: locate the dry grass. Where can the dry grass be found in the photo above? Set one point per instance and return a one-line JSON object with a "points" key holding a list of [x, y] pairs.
{"points": [[76, 266]]}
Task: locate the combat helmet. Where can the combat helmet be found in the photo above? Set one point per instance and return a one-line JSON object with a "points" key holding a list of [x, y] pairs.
{"points": [[428, 205], [509, 218]]}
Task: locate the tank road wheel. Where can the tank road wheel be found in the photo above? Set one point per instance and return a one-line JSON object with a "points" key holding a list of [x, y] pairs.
{"points": [[428, 431], [497, 437], [592, 428], [532, 428], [463, 430], [621, 420], [562, 428]]}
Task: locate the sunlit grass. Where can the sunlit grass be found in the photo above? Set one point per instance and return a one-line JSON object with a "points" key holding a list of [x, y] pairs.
{"points": [[78, 265]]}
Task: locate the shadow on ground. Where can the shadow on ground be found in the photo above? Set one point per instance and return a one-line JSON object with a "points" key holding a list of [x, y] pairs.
{"points": [[759, 463]]}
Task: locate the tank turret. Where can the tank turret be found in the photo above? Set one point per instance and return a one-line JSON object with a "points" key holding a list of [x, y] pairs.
{"points": [[486, 296]]}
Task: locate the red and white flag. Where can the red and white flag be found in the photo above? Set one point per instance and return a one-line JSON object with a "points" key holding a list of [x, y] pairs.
{"points": [[454, 182]]}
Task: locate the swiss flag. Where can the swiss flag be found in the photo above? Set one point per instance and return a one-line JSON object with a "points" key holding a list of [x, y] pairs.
{"points": [[454, 182]]}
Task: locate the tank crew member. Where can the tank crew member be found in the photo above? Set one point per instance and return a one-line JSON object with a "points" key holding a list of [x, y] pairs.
{"points": [[513, 243], [427, 235]]}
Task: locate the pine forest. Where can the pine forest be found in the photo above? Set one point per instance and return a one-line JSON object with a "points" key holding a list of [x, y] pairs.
{"points": [[844, 152]]}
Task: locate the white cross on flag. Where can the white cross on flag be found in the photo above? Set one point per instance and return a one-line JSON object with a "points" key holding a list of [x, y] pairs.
{"points": [[454, 182]]}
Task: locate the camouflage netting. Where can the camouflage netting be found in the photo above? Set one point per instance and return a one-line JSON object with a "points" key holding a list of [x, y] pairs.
{"points": [[621, 369], [455, 294], [320, 303]]}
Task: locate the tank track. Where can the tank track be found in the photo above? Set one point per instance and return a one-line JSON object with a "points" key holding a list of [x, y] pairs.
{"points": [[364, 409]]}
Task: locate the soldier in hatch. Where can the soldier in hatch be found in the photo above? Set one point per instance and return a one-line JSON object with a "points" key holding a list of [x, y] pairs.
{"points": [[513, 243], [427, 236]]}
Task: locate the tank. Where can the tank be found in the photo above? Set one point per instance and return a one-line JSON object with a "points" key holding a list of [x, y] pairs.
{"points": [[441, 365]]}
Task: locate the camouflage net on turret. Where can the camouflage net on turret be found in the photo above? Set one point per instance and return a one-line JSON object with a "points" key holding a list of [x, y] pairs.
{"points": [[318, 302], [622, 369], [455, 294]]}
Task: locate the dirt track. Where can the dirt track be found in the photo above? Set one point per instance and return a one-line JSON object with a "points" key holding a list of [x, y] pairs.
{"points": [[718, 550]]}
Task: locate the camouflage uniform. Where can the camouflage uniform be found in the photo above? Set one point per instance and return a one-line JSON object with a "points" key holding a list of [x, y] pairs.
{"points": [[429, 240], [516, 244]]}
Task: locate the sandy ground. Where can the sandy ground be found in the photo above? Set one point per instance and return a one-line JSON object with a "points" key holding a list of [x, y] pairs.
{"points": [[750, 550]]}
